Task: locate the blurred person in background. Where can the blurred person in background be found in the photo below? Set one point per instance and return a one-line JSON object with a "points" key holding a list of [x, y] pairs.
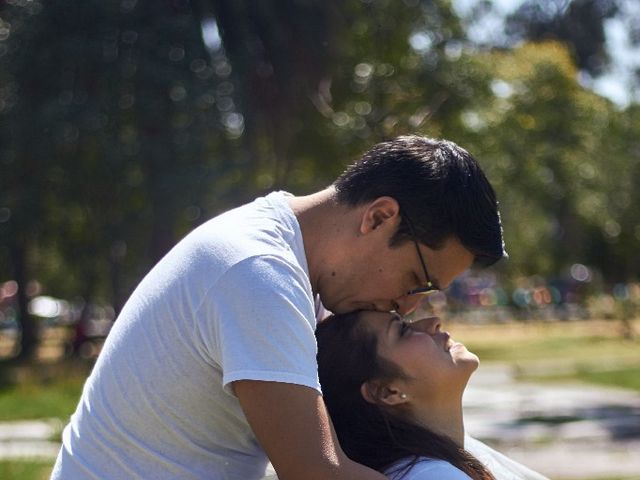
{"points": [[210, 370], [394, 393]]}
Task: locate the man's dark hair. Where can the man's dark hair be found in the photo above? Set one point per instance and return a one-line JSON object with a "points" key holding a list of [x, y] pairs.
{"points": [[439, 186]]}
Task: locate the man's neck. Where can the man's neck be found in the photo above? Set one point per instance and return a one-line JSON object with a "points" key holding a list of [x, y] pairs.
{"points": [[319, 217]]}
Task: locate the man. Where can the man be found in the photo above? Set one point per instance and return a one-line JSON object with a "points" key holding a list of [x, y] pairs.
{"points": [[210, 370]]}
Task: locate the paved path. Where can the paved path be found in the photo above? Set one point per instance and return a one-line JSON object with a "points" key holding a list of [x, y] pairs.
{"points": [[563, 431], [29, 438], [568, 431]]}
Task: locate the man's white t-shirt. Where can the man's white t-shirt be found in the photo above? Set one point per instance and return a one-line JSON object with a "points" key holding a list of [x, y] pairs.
{"points": [[232, 301]]}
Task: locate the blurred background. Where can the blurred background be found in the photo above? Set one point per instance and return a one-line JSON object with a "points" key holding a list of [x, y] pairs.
{"points": [[126, 123]]}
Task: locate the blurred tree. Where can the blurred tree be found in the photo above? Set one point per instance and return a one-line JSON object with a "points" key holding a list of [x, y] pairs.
{"points": [[107, 137], [614, 213], [551, 148], [124, 123], [578, 23], [401, 71], [316, 84], [23, 168], [140, 129], [278, 52]]}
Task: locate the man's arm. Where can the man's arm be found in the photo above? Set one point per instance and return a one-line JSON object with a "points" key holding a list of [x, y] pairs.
{"points": [[292, 425]]}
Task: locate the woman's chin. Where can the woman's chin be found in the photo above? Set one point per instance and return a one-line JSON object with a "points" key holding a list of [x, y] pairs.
{"points": [[460, 354], [475, 361], [469, 360]]}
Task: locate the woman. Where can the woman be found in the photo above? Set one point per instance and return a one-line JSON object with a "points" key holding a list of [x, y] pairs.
{"points": [[394, 392]]}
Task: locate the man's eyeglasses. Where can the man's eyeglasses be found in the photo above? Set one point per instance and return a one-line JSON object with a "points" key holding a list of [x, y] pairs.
{"points": [[428, 285]]}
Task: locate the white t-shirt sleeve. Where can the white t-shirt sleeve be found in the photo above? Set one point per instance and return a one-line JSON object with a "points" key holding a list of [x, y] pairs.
{"points": [[502, 467], [264, 322], [429, 469]]}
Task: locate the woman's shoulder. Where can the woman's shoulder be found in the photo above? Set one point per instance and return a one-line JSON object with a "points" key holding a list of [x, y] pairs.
{"points": [[426, 469]]}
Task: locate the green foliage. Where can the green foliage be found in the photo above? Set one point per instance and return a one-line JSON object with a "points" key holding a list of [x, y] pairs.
{"points": [[121, 128], [578, 23], [106, 139], [547, 143]]}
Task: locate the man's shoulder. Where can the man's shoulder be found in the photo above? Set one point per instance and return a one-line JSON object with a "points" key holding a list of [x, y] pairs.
{"points": [[265, 226]]}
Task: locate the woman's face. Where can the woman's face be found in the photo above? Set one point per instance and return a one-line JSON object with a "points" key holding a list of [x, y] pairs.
{"points": [[437, 367]]}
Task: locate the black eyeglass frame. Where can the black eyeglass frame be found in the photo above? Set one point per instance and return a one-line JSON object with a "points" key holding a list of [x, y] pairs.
{"points": [[428, 285]]}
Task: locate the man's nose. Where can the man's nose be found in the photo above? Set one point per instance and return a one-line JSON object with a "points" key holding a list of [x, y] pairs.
{"points": [[407, 304]]}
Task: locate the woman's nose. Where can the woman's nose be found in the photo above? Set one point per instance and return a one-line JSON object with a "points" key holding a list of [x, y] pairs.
{"points": [[430, 325]]}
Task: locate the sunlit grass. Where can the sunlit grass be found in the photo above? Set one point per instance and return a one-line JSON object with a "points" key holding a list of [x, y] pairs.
{"points": [[31, 399], [541, 341], [623, 377], [586, 351], [26, 469]]}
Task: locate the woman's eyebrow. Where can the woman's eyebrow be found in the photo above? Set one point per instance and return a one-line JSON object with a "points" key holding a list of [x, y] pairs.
{"points": [[393, 318]]}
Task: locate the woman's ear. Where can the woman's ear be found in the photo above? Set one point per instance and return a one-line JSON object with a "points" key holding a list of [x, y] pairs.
{"points": [[379, 394]]}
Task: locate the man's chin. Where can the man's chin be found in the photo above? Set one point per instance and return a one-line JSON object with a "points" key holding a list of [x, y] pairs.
{"points": [[336, 308], [342, 308]]}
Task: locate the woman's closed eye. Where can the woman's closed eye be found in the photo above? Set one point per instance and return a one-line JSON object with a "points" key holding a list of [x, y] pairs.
{"points": [[404, 327]]}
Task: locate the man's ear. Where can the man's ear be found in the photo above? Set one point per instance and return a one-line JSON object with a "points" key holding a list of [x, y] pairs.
{"points": [[380, 394], [382, 212]]}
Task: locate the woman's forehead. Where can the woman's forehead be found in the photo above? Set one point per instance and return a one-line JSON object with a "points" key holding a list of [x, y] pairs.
{"points": [[378, 322]]}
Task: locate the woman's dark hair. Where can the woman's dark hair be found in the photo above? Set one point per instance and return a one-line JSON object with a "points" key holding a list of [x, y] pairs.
{"points": [[368, 433], [438, 185]]}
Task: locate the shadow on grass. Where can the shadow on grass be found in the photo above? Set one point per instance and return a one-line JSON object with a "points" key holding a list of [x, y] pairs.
{"points": [[621, 422]]}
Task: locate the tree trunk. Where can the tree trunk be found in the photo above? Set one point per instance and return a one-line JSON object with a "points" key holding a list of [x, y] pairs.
{"points": [[29, 337]]}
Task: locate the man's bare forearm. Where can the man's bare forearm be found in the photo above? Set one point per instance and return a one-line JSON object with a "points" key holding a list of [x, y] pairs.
{"points": [[293, 426]]}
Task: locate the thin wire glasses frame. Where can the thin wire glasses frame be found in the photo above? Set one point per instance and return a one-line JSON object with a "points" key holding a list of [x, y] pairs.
{"points": [[428, 285]]}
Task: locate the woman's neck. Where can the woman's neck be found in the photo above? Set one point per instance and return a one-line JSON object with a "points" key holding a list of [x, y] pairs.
{"points": [[445, 419]]}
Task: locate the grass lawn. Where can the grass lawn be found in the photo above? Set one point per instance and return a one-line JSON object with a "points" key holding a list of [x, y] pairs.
{"points": [[588, 351], [622, 377], [54, 396], [25, 470]]}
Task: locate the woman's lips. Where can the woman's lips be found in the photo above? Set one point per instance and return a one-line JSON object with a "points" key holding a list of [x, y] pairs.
{"points": [[451, 343], [448, 342]]}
